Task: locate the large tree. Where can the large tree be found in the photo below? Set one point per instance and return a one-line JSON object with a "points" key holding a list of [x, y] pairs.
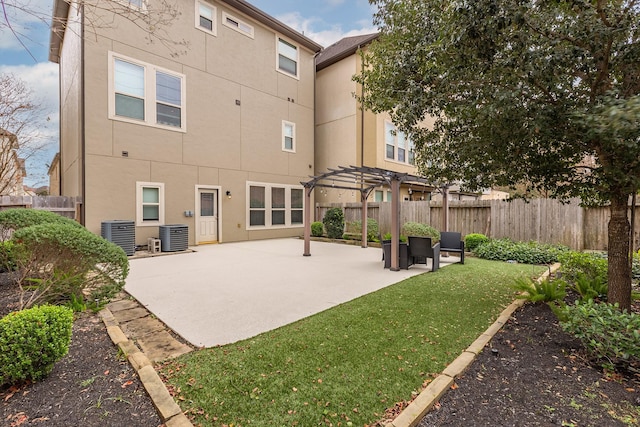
{"points": [[545, 93]]}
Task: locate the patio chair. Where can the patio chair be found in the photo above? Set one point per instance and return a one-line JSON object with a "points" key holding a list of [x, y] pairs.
{"points": [[451, 241], [420, 250]]}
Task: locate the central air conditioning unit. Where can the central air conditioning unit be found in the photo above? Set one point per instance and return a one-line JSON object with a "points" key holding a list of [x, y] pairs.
{"points": [[121, 233], [174, 237]]}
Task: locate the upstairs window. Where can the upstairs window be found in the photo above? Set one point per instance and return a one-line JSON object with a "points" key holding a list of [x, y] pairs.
{"points": [[206, 17], [398, 146], [237, 24], [287, 57], [145, 94], [288, 136]]}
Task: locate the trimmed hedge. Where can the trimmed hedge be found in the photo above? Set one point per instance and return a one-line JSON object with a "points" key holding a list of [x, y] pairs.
{"points": [[32, 341], [12, 256], [473, 240], [522, 252], [70, 264], [15, 219]]}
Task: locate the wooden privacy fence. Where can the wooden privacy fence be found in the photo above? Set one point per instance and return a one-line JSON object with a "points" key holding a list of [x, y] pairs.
{"points": [[542, 220], [65, 206]]}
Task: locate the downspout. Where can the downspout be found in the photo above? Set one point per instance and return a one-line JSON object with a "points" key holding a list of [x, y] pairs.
{"points": [[83, 177], [315, 97]]}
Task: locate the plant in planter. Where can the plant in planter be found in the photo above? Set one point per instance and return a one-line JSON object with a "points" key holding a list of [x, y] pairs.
{"points": [[420, 230]]}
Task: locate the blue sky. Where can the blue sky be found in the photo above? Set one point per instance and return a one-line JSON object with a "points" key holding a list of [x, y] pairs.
{"points": [[324, 21]]}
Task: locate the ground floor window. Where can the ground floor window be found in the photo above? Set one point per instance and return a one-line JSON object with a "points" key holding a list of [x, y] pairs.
{"points": [[274, 205], [149, 203]]}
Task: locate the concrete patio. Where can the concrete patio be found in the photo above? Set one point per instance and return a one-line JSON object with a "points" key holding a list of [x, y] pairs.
{"points": [[219, 294]]}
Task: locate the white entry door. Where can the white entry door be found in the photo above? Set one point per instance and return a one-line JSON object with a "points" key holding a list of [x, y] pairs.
{"points": [[207, 216]]}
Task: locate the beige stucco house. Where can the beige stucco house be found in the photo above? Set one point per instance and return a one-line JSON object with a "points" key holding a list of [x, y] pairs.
{"points": [[346, 134], [217, 136]]}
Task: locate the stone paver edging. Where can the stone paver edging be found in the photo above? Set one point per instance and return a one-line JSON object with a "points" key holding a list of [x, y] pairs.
{"points": [[167, 408], [417, 409]]}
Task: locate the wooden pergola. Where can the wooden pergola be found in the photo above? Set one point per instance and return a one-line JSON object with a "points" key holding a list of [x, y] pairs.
{"points": [[365, 180]]}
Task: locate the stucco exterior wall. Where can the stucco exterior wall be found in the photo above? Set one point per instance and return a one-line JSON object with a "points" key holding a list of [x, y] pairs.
{"points": [[71, 107], [235, 103]]}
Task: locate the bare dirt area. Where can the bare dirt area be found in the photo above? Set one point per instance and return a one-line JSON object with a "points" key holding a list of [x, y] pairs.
{"points": [[91, 386]]}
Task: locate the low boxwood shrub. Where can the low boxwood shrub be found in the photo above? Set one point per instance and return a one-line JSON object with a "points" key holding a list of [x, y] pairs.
{"points": [[15, 219], [334, 223], [67, 263], [611, 336], [420, 230], [317, 229], [473, 240], [522, 252], [32, 341]]}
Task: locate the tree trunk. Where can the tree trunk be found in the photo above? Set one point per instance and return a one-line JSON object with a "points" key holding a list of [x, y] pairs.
{"points": [[619, 276]]}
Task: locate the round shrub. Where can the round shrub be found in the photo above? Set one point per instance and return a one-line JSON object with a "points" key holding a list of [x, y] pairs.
{"points": [[32, 341], [68, 263], [473, 240], [420, 230], [334, 223], [317, 229]]}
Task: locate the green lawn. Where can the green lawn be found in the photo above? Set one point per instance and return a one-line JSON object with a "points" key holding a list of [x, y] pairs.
{"points": [[346, 365]]}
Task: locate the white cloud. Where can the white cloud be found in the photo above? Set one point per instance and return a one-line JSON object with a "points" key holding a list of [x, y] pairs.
{"points": [[324, 37]]}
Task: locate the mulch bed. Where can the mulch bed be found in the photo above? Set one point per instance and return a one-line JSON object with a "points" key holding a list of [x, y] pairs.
{"points": [[534, 374], [91, 386]]}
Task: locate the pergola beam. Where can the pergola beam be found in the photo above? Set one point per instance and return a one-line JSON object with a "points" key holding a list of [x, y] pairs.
{"points": [[363, 179]]}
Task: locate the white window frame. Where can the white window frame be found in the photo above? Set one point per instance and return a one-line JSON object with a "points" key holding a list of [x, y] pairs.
{"points": [[140, 186], [214, 12], [268, 209], [150, 98], [297, 59], [237, 25], [409, 150], [142, 8], [286, 124]]}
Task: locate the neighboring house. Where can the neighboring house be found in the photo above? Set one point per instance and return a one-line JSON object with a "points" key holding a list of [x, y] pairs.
{"points": [[54, 176], [12, 167], [348, 135], [218, 137]]}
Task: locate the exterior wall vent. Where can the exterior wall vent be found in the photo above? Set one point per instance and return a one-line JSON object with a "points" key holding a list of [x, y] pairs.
{"points": [[174, 237], [121, 233]]}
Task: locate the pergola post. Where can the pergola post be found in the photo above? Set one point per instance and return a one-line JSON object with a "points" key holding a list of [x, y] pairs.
{"points": [[395, 223], [307, 221], [445, 208], [363, 217]]}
